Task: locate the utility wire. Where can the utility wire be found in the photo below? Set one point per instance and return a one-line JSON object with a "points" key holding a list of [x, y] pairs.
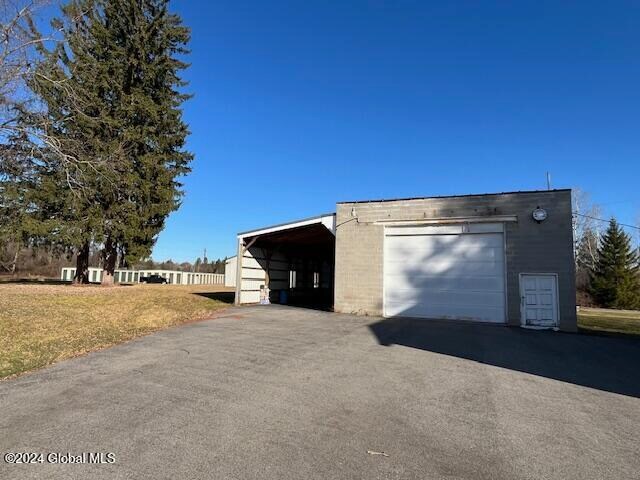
{"points": [[606, 221]]}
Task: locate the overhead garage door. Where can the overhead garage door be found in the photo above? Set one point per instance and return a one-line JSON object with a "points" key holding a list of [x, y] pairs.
{"points": [[452, 272]]}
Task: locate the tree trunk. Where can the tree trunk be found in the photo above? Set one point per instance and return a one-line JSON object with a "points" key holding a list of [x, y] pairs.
{"points": [[15, 261], [10, 266], [109, 257], [82, 265]]}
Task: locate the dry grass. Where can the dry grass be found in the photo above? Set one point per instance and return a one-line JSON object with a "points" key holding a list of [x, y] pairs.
{"points": [[612, 321], [42, 324]]}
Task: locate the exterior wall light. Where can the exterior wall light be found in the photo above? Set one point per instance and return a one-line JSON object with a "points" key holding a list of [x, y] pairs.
{"points": [[539, 214]]}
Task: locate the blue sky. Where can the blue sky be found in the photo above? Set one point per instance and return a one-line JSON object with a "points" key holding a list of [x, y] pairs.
{"points": [[301, 104]]}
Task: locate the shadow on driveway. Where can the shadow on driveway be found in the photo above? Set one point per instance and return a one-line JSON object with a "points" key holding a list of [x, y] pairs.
{"points": [[605, 363]]}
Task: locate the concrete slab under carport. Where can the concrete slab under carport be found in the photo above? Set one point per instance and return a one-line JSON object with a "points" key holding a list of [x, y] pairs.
{"points": [[286, 393]]}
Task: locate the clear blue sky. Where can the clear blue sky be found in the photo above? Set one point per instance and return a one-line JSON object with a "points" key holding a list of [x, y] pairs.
{"points": [[301, 104]]}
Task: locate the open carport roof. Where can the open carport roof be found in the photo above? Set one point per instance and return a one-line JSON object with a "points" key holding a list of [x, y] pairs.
{"points": [[327, 220]]}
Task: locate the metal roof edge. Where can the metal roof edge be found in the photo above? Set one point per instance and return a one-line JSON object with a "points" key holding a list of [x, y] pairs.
{"points": [[293, 222], [456, 196]]}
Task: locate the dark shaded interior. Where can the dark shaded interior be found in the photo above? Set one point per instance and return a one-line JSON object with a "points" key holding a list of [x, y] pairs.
{"points": [[310, 253]]}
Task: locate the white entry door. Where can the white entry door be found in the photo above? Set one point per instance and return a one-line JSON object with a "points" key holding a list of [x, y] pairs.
{"points": [[539, 300]]}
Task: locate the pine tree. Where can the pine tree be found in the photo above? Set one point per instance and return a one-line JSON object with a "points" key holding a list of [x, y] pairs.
{"points": [[615, 281], [142, 43], [113, 99]]}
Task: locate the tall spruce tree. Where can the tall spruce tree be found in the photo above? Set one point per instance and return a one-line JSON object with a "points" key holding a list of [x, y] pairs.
{"points": [[113, 98], [615, 281], [142, 43]]}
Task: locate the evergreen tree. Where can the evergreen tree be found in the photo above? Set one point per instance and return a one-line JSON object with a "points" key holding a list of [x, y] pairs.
{"points": [[113, 101], [17, 184], [615, 280], [33, 206], [142, 42], [70, 150]]}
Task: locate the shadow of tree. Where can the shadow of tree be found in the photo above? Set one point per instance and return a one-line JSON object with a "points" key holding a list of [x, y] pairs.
{"points": [[34, 281], [224, 297], [604, 363]]}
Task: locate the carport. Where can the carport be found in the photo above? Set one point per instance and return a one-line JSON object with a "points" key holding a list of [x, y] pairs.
{"points": [[290, 263]]}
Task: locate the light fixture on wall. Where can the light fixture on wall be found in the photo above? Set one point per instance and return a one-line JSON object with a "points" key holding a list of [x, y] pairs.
{"points": [[539, 214], [353, 212]]}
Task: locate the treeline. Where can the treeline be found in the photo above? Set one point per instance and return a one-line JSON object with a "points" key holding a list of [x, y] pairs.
{"points": [[22, 262], [45, 263], [92, 140], [200, 265]]}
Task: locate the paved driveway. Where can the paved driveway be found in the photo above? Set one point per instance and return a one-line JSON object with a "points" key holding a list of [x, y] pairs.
{"points": [[285, 393]]}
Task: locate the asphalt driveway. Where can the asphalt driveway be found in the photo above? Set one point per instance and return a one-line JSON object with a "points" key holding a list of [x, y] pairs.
{"points": [[284, 393]]}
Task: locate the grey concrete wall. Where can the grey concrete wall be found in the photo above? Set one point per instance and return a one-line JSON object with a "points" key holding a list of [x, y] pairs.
{"points": [[531, 247]]}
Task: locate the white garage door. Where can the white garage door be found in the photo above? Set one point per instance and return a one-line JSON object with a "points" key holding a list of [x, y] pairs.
{"points": [[454, 272]]}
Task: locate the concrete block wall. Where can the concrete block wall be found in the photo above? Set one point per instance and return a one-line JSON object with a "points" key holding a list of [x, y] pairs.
{"points": [[531, 247]]}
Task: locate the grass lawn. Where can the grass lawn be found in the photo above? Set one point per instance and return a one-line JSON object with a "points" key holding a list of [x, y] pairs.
{"points": [[605, 320], [41, 324]]}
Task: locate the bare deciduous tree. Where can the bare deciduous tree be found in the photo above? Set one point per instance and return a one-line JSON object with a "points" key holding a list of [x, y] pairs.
{"points": [[30, 141], [585, 224], [26, 142], [587, 229], [20, 42], [19, 38]]}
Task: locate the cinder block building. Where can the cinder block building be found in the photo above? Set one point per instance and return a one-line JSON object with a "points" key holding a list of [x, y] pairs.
{"points": [[504, 258]]}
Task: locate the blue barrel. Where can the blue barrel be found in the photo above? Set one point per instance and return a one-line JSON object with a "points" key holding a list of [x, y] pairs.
{"points": [[284, 296]]}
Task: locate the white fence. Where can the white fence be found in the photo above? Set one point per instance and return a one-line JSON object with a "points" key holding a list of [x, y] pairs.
{"points": [[133, 276]]}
